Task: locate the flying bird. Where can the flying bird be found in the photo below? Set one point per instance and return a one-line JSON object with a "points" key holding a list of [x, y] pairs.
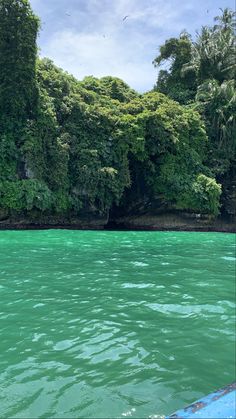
{"points": [[124, 18], [68, 14]]}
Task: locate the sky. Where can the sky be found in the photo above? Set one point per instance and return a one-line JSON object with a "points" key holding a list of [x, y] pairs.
{"points": [[119, 38]]}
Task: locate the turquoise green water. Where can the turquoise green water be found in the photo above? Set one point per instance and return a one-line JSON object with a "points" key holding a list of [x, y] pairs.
{"points": [[113, 324]]}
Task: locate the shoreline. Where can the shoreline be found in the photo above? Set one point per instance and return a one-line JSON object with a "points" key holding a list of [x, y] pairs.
{"points": [[146, 222], [206, 229]]}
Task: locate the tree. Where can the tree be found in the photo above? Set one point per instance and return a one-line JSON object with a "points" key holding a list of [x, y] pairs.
{"points": [[210, 61], [213, 52], [170, 172], [175, 53], [18, 51], [69, 147], [18, 90], [210, 56], [218, 103]]}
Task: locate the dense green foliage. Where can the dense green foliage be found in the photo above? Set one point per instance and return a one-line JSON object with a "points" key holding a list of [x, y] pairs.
{"points": [[202, 73], [18, 91], [70, 147], [172, 82]]}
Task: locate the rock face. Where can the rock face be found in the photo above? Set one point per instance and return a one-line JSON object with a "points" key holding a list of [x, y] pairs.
{"points": [[139, 214], [3, 214], [171, 221], [229, 195], [88, 218], [230, 200], [175, 221]]}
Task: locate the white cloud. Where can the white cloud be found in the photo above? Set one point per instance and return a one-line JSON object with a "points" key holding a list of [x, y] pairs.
{"points": [[93, 54], [96, 41], [90, 37]]}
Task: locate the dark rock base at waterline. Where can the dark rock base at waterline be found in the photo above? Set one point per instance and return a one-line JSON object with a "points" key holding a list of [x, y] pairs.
{"points": [[170, 222], [163, 222]]}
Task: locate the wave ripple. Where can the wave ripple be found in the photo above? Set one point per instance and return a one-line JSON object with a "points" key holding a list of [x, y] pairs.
{"points": [[113, 324]]}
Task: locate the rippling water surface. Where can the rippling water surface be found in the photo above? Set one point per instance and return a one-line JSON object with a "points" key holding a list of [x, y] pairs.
{"points": [[113, 324]]}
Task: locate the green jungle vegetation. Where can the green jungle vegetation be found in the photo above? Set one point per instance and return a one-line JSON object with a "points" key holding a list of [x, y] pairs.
{"points": [[69, 147]]}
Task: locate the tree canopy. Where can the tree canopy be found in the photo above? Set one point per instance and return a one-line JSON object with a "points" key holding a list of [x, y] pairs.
{"points": [[69, 147], [202, 75]]}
